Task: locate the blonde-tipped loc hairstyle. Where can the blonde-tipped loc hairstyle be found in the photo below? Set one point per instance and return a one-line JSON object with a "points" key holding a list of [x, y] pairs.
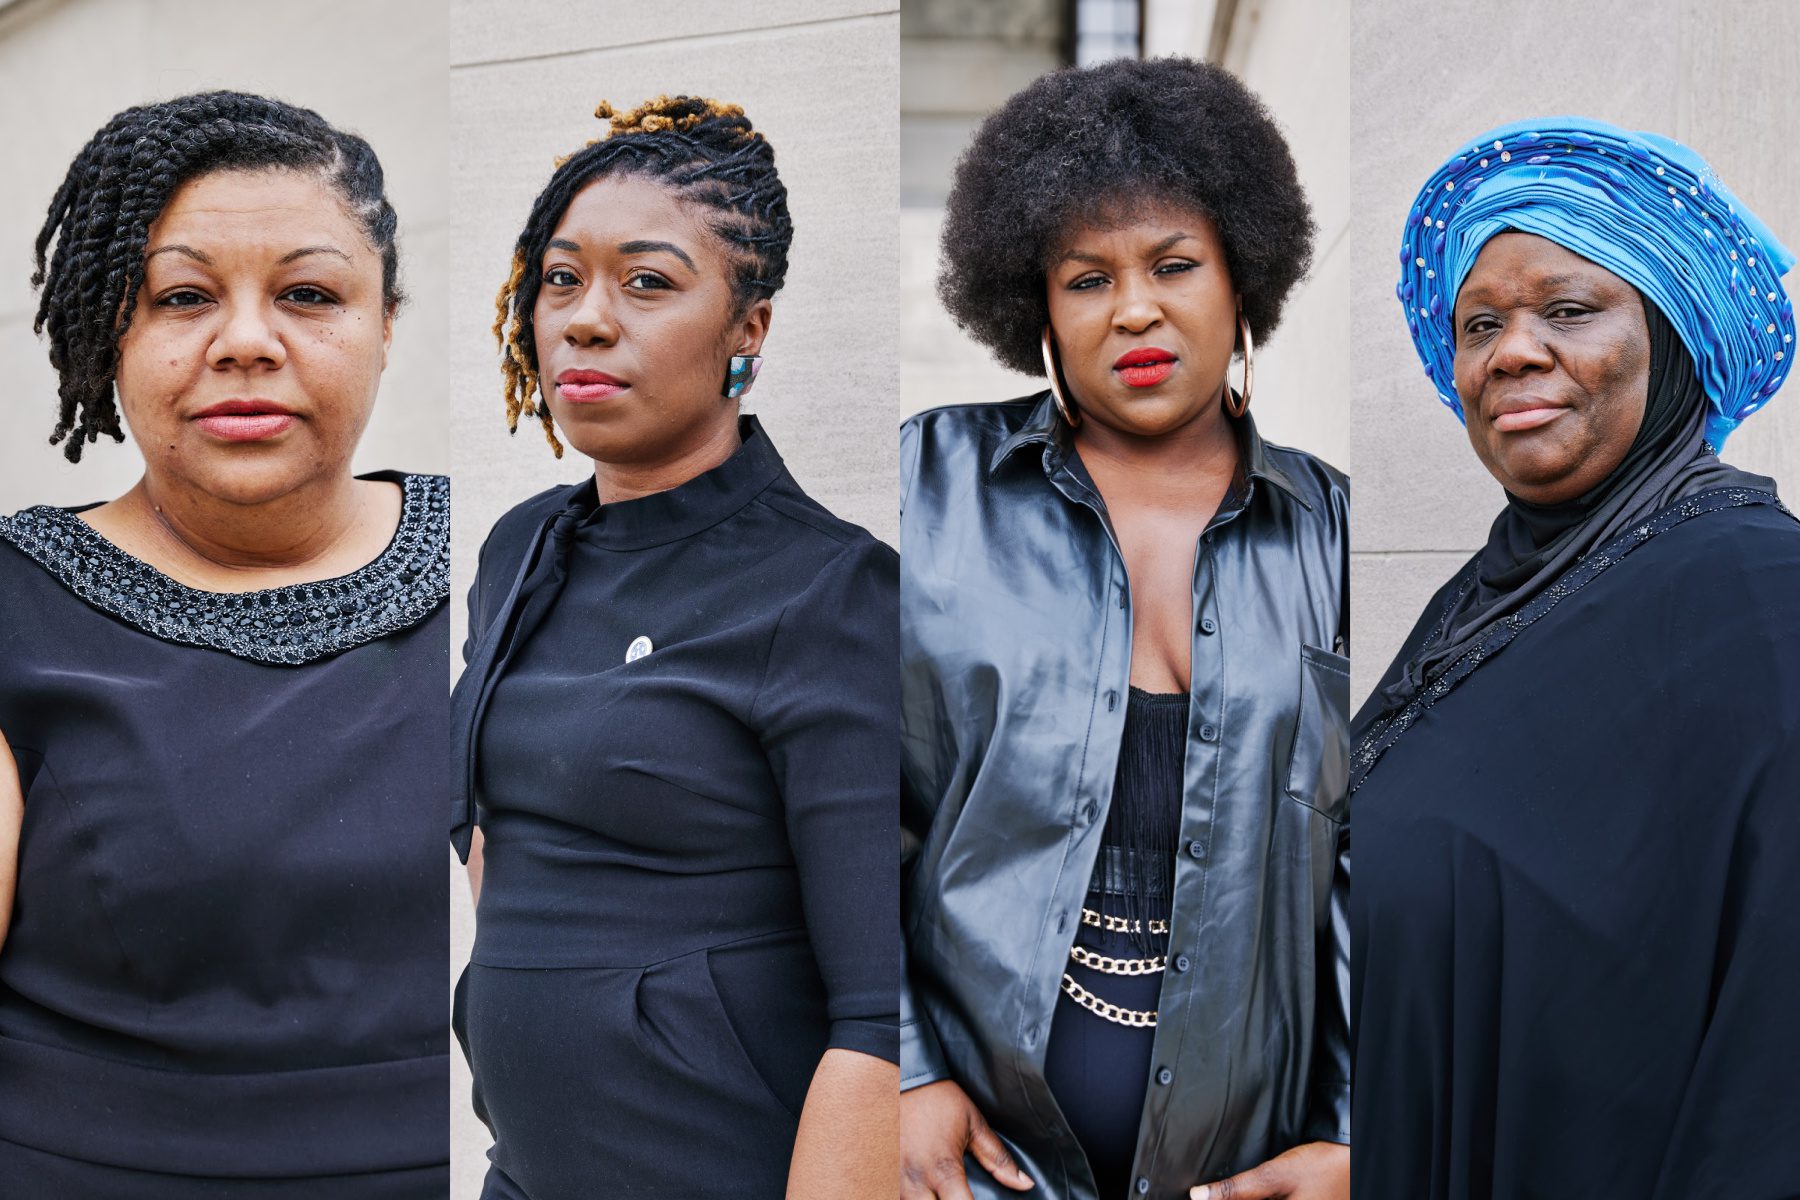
{"points": [[701, 149]]}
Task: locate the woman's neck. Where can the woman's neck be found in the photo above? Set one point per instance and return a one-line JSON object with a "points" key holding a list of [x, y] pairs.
{"points": [[614, 482], [319, 530], [1199, 458]]}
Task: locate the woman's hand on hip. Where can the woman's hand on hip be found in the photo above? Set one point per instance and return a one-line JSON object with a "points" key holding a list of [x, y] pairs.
{"points": [[1315, 1171], [938, 1125]]}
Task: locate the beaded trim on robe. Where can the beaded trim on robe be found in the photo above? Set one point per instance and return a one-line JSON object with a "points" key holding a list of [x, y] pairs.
{"points": [[290, 626], [1383, 733]]}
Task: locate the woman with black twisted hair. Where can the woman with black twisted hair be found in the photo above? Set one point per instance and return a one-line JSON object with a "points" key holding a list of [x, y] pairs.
{"points": [[222, 973], [677, 724]]}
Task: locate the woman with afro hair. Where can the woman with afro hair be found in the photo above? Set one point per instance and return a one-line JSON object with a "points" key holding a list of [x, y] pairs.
{"points": [[1124, 683], [676, 732]]}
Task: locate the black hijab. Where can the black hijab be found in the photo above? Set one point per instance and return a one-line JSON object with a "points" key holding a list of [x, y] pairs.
{"points": [[1531, 545]]}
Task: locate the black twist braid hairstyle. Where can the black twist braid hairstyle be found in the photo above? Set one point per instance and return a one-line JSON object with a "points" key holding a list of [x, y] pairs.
{"points": [[703, 150], [120, 183]]}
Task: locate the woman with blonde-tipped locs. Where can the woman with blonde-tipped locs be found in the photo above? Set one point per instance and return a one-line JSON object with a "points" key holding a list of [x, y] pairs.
{"points": [[676, 734]]}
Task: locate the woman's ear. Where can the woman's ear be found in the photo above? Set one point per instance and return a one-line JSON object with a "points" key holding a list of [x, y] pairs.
{"points": [[752, 328]]}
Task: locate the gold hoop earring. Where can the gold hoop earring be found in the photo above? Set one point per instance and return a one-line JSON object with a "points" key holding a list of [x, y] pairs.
{"points": [[1243, 398], [1054, 373]]}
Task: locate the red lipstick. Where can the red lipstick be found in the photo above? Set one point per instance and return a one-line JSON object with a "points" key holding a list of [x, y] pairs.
{"points": [[586, 387], [245, 420], [1145, 367]]}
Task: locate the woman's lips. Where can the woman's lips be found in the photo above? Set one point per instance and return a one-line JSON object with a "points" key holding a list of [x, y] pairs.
{"points": [[245, 420], [1522, 419], [585, 387], [1144, 367]]}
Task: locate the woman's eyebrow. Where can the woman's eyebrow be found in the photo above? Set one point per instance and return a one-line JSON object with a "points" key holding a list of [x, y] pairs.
{"points": [[291, 255], [646, 247], [178, 248], [1482, 293], [1161, 247], [635, 247]]}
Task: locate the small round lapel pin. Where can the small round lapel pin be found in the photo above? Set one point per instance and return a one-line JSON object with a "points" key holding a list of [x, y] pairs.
{"points": [[639, 647]]}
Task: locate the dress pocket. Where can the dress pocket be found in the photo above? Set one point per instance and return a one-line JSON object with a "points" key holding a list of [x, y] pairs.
{"points": [[1318, 773], [682, 1022]]}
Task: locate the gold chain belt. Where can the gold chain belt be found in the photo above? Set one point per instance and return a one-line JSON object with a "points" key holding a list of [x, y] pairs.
{"points": [[1133, 1017], [1118, 966], [1119, 924]]}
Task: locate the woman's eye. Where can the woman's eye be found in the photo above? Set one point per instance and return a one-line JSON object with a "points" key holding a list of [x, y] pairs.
{"points": [[561, 277], [1175, 268], [1565, 311], [306, 294], [646, 281], [1087, 283], [185, 298]]}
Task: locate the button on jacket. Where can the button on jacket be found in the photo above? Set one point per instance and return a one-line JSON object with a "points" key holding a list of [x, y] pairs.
{"points": [[1016, 618]]}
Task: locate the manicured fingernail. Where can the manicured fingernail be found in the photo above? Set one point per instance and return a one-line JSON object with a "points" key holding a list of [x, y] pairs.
{"points": [[1200, 1193]]}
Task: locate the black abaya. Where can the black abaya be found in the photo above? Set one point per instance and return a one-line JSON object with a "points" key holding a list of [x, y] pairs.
{"points": [[1576, 923]]}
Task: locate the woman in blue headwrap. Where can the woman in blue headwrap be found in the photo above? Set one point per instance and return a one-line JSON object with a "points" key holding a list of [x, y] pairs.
{"points": [[1576, 923]]}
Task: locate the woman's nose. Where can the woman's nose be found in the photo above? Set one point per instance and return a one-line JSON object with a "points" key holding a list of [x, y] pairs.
{"points": [[1135, 307], [246, 338], [593, 322]]}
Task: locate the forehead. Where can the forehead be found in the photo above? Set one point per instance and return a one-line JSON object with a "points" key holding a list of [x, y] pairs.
{"points": [[268, 209], [1128, 225], [1524, 265], [623, 208]]}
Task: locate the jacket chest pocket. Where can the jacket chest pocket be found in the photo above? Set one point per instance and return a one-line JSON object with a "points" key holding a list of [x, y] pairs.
{"points": [[1318, 774]]}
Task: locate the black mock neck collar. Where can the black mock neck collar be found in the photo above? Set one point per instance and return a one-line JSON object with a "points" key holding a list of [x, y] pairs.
{"points": [[682, 511]]}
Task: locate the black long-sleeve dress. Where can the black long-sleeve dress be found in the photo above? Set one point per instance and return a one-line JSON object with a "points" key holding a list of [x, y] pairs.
{"points": [[224, 976], [1576, 922], [679, 725]]}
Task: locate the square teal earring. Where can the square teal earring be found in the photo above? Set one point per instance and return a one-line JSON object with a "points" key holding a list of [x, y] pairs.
{"points": [[741, 374]]}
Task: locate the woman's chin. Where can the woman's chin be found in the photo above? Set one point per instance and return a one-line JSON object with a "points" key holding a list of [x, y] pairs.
{"points": [[251, 476], [1150, 416]]}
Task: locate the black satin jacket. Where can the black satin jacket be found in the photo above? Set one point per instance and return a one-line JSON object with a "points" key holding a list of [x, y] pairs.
{"points": [[1015, 663]]}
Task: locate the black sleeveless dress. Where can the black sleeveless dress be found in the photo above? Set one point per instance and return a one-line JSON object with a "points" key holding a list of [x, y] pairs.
{"points": [[224, 975]]}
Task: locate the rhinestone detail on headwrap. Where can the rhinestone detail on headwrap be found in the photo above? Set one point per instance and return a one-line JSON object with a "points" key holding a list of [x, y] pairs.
{"points": [[1647, 209]]}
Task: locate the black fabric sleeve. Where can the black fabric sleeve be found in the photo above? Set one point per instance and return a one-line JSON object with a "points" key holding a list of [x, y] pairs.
{"points": [[1738, 1131], [828, 716]]}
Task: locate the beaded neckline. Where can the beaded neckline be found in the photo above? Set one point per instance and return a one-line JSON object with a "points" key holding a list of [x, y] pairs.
{"points": [[290, 626], [1384, 732]]}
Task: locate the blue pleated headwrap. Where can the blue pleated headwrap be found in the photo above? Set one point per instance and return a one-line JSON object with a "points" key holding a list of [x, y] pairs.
{"points": [[1647, 209]]}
